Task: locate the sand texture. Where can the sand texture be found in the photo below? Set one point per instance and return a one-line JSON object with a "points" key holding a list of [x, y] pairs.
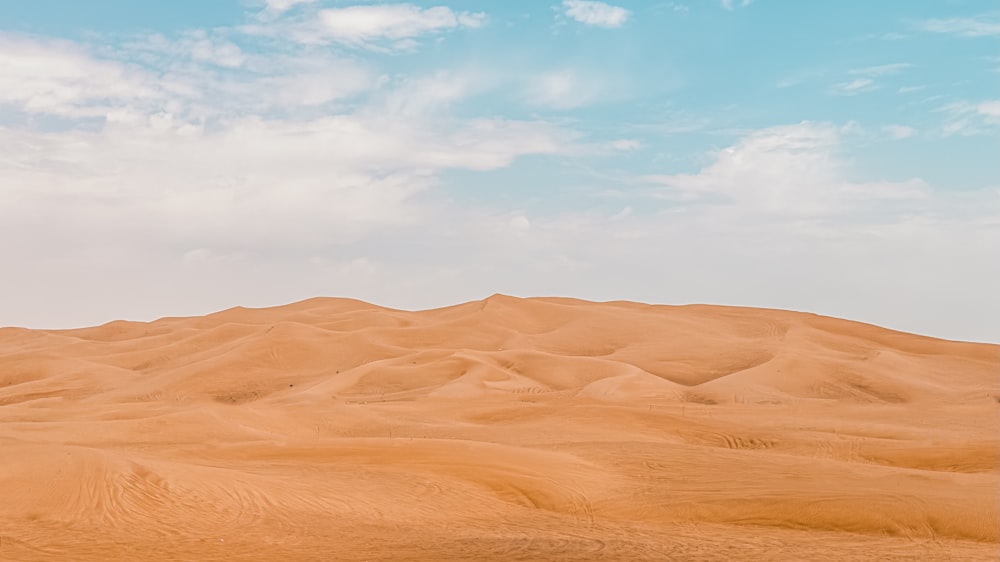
{"points": [[501, 429]]}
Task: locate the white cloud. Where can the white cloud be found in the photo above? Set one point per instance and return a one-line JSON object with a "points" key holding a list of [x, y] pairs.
{"points": [[800, 77], [560, 90], [899, 131], [61, 78], [595, 13], [966, 118], [729, 4], [866, 80], [246, 183], [200, 70], [305, 82], [147, 194], [995, 63], [626, 145], [426, 95], [787, 82], [226, 170], [220, 53], [519, 224], [571, 88], [790, 170], [281, 6], [369, 25], [966, 27], [197, 46], [990, 109], [882, 69], [854, 87]]}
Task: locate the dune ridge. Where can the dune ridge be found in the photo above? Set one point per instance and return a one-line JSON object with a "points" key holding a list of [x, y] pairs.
{"points": [[506, 428]]}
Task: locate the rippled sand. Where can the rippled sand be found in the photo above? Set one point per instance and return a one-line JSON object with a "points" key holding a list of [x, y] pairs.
{"points": [[503, 429]]}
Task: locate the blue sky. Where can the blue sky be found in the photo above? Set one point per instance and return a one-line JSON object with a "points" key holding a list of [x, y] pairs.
{"points": [[167, 158]]}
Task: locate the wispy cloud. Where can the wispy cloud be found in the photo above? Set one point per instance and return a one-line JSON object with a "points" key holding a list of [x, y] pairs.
{"points": [[568, 88], [981, 26], [994, 63], [626, 145], [967, 118], [881, 70], [730, 4], [197, 45], [595, 13], [788, 170], [899, 132], [989, 109], [867, 77], [884, 36], [365, 25], [800, 77], [280, 6], [854, 87], [194, 78], [379, 27]]}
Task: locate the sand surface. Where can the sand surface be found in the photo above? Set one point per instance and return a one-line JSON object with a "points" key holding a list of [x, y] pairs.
{"points": [[502, 429]]}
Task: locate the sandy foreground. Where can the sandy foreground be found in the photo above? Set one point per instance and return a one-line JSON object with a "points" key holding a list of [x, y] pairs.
{"points": [[502, 429]]}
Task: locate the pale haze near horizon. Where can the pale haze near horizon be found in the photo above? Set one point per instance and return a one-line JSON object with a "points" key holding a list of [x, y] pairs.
{"points": [[167, 160]]}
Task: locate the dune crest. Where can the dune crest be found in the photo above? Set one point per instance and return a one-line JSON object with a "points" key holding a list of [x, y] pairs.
{"points": [[506, 428]]}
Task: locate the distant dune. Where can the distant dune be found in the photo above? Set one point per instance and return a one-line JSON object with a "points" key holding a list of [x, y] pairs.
{"points": [[501, 429]]}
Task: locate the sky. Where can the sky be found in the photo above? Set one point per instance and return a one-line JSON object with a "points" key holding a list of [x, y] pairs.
{"points": [[178, 158]]}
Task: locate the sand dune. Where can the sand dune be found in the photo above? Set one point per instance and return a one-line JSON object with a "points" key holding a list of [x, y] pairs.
{"points": [[502, 429]]}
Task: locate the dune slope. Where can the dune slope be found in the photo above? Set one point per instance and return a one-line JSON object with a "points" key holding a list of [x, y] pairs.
{"points": [[501, 429]]}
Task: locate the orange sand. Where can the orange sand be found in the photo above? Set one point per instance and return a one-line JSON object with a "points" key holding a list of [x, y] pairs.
{"points": [[503, 429]]}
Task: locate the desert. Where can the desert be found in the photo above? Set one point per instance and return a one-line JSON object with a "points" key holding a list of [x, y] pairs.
{"points": [[500, 429], [738, 251]]}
